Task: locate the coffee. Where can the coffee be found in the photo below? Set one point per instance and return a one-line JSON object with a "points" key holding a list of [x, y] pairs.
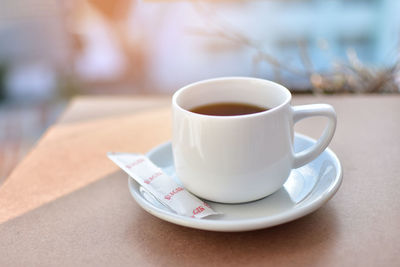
{"points": [[228, 109], [235, 159]]}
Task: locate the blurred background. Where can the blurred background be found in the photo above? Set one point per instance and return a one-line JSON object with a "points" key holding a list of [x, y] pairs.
{"points": [[51, 50]]}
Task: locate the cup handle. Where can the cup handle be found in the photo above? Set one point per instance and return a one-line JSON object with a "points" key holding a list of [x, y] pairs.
{"points": [[305, 111]]}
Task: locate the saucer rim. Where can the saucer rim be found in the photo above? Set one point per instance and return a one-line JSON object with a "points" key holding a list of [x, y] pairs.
{"points": [[299, 210]]}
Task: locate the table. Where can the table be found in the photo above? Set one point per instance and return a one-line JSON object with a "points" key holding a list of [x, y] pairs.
{"points": [[66, 204]]}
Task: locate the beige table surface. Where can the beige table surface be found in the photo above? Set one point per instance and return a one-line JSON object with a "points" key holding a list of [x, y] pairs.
{"points": [[66, 204]]}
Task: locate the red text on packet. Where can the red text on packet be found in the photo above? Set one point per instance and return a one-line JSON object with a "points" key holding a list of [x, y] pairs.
{"points": [[173, 192], [133, 164], [198, 210], [151, 178]]}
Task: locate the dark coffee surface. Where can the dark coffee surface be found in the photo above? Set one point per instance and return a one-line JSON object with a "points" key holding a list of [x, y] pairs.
{"points": [[227, 109]]}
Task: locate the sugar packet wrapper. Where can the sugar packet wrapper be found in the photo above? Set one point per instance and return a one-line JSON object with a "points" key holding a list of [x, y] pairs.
{"points": [[161, 186]]}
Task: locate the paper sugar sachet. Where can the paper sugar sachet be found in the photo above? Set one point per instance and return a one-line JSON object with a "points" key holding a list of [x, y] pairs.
{"points": [[161, 186]]}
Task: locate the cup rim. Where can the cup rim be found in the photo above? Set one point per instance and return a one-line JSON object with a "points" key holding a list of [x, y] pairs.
{"points": [[269, 111]]}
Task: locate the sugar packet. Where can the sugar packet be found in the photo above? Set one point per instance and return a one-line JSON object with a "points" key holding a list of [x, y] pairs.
{"points": [[161, 186]]}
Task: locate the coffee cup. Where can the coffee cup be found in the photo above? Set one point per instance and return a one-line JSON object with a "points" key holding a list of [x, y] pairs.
{"points": [[240, 158]]}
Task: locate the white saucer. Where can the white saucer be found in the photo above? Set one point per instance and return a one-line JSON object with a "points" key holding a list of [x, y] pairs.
{"points": [[307, 189]]}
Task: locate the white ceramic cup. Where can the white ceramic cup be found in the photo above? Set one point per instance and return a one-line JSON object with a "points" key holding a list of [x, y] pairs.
{"points": [[234, 159]]}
